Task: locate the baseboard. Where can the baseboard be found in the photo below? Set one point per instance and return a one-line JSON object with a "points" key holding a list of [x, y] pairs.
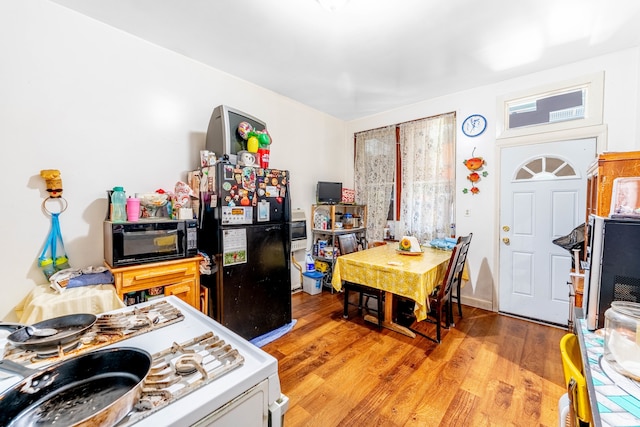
{"points": [[477, 303]]}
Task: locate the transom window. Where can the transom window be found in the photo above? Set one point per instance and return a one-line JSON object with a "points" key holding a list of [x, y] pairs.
{"points": [[564, 106], [545, 168], [572, 104]]}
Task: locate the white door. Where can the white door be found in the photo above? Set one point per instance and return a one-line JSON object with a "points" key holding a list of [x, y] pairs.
{"points": [[542, 197]]}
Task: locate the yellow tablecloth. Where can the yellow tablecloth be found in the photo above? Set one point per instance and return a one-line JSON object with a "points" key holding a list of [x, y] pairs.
{"points": [[44, 303], [382, 267]]}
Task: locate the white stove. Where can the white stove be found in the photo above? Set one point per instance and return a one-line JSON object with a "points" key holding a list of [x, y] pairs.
{"points": [[222, 379]]}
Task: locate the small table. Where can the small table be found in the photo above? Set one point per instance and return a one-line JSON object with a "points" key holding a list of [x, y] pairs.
{"points": [[610, 398], [382, 267]]}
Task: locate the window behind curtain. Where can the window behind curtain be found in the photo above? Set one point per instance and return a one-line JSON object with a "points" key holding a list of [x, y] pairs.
{"points": [[427, 150], [426, 186], [374, 176]]}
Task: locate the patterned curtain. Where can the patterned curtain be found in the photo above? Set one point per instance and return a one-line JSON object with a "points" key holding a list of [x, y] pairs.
{"points": [[374, 176], [427, 150]]}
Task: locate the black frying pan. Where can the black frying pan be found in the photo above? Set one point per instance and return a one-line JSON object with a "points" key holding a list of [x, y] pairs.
{"points": [[94, 389], [69, 327]]}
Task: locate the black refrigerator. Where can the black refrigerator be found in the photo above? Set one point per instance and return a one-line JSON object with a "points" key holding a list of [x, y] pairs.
{"points": [[244, 227]]}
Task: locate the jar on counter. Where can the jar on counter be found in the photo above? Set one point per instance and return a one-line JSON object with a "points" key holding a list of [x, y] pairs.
{"points": [[622, 338], [347, 220]]}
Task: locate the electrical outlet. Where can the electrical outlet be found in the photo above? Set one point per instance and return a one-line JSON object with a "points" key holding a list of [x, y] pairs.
{"points": [[467, 212]]}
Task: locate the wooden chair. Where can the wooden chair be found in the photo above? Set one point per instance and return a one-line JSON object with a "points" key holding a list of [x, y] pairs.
{"points": [[579, 407], [348, 245], [466, 242], [439, 300]]}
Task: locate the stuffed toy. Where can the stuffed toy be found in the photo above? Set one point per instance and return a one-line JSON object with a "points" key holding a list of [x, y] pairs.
{"points": [[53, 181]]}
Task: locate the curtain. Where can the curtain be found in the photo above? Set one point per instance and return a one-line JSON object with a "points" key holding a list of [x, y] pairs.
{"points": [[374, 176], [427, 157]]}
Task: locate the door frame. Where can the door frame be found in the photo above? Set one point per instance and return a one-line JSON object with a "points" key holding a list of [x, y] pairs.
{"points": [[598, 132]]}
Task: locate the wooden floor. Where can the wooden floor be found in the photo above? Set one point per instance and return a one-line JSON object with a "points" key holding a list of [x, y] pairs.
{"points": [[490, 370]]}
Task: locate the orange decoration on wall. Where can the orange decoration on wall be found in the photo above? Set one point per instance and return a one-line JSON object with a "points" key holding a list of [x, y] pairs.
{"points": [[475, 165]]}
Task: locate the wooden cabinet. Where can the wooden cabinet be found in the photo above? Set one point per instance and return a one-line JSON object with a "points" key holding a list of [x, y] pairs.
{"points": [[326, 234], [177, 277], [600, 177]]}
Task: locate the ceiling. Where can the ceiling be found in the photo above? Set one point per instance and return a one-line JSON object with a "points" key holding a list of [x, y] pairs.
{"points": [[375, 55]]}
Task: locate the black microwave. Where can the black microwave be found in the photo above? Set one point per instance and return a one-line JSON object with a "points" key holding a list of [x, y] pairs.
{"points": [[144, 241]]}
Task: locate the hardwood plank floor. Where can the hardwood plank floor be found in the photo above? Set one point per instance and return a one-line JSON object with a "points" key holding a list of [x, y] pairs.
{"points": [[490, 370]]}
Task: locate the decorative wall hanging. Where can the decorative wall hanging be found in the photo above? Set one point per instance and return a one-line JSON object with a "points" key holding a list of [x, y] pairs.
{"points": [[475, 166], [53, 257], [474, 125]]}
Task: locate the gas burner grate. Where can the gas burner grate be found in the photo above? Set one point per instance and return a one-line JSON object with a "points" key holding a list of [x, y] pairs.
{"points": [[182, 369], [61, 350], [108, 329]]}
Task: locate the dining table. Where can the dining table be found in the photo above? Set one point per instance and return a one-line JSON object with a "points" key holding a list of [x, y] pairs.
{"points": [[409, 275]]}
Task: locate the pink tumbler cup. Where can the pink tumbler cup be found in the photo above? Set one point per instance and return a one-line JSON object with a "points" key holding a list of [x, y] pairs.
{"points": [[133, 209]]}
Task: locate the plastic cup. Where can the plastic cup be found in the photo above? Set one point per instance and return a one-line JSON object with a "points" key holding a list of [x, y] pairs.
{"points": [[263, 157], [61, 263], [133, 209], [46, 264]]}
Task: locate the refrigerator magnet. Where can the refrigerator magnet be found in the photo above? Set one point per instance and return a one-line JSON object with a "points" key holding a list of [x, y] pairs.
{"points": [[228, 172], [263, 211]]}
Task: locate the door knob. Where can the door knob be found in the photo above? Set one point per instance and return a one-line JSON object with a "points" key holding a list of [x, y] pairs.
{"points": [[505, 240]]}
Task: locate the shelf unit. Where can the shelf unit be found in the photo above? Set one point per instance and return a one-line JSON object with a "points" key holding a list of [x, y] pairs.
{"points": [[323, 229]]}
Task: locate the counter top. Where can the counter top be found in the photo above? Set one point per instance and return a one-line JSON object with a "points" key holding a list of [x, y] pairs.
{"points": [[614, 398]]}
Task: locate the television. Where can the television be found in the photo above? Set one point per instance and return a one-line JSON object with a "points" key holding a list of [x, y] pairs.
{"points": [[222, 134], [329, 192]]}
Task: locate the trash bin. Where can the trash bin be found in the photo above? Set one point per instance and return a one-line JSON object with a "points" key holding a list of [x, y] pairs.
{"points": [[312, 282]]}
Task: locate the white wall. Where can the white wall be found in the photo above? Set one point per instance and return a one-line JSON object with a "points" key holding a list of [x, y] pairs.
{"points": [[621, 108], [107, 109]]}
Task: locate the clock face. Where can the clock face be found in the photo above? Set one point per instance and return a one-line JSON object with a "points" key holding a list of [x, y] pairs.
{"points": [[474, 125]]}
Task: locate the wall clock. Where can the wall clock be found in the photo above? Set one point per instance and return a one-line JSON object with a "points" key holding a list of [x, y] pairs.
{"points": [[474, 125]]}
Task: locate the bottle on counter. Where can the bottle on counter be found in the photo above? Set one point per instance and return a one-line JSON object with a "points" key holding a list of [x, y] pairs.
{"points": [[119, 204], [309, 263]]}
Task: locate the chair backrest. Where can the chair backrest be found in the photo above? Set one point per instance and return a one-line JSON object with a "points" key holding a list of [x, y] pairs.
{"points": [[348, 243], [574, 378], [376, 243], [465, 242], [444, 290]]}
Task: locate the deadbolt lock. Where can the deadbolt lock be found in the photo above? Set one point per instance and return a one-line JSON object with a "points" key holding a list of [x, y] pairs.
{"points": [[505, 228]]}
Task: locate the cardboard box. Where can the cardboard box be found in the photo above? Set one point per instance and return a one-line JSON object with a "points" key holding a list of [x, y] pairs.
{"points": [[348, 195]]}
